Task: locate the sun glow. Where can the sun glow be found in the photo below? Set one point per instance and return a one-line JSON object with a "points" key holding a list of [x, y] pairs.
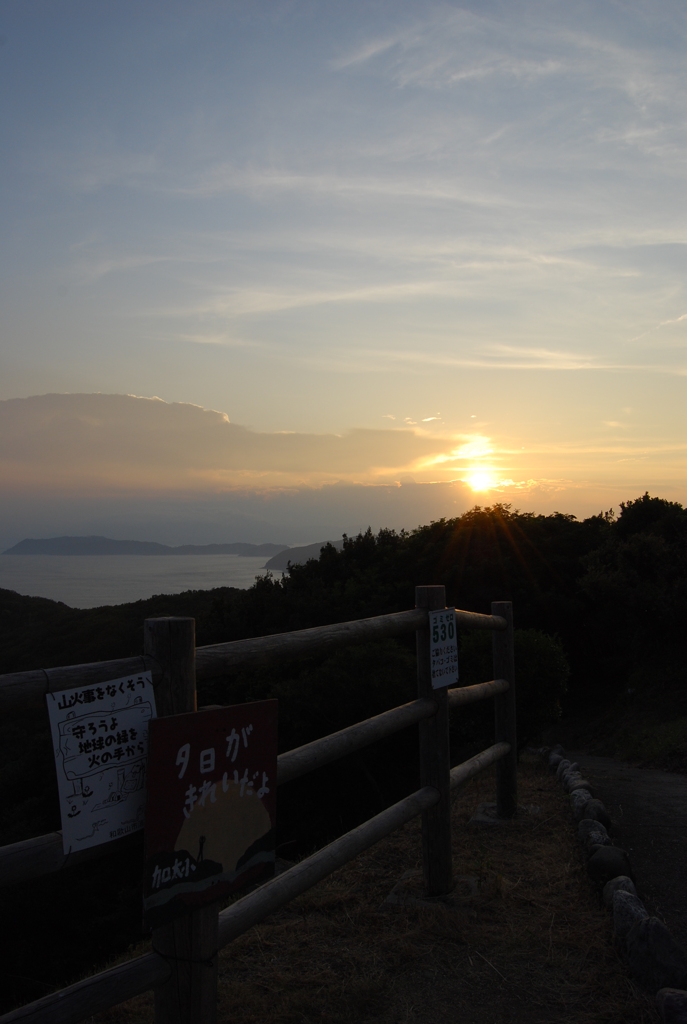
{"points": [[480, 480]]}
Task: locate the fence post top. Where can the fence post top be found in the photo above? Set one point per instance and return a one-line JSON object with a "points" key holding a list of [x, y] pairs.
{"points": [[504, 609]]}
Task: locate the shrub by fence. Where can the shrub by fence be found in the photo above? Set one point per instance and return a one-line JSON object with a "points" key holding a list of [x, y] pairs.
{"points": [[182, 969]]}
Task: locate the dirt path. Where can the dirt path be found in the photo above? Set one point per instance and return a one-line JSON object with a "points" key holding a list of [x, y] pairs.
{"points": [[522, 940], [649, 812]]}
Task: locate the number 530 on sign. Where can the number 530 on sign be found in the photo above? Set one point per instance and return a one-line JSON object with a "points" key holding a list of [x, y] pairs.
{"points": [[443, 648]]}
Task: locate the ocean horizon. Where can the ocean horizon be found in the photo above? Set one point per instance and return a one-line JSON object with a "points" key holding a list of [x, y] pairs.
{"points": [[90, 581]]}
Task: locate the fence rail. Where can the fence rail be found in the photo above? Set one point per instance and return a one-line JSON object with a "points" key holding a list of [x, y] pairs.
{"points": [[44, 855], [182, 969], [22, 689]]}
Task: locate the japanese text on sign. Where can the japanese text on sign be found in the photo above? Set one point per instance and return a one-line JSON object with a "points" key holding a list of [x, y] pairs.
{"points": [[443, 648], [211, 806], [100, 738]]}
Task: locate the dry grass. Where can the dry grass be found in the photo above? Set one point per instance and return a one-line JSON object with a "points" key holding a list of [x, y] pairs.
{"points": [[531, 944]]}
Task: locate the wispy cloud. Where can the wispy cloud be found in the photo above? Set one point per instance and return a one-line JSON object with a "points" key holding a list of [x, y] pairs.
{"points": [[260, 181], [411, 272], [251, 301], [449, 46], [491, 357], [659, 326], [365, 52]]}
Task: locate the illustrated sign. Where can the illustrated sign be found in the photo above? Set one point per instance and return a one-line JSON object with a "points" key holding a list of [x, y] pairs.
{"points": [[211, 807], [443, 648], [100, 739]]}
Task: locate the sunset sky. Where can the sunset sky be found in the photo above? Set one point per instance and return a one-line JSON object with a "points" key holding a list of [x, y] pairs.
{"points": [[386, 245]]}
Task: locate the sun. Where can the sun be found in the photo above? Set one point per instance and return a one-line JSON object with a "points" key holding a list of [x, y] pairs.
{"points": [[480, 480]]}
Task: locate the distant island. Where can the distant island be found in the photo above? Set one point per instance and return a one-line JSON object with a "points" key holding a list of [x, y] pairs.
{"points": [[297, 556], [107, 546], [278, 555]]}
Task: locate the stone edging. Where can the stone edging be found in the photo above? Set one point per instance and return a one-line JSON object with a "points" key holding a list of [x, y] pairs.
{"points": [[654, 958]]}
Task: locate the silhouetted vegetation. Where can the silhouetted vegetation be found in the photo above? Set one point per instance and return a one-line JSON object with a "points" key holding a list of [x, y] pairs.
{"points": [[598, 607]]}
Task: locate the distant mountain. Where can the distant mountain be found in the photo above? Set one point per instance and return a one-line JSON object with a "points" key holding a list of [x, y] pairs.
{"points": [[107, 546], [297, 556]]}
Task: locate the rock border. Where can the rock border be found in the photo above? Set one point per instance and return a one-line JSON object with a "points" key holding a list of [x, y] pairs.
{"points": [[654, 958]]}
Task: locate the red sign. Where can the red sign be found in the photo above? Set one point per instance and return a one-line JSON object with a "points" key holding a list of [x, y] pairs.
{"points": [[211, 807]]}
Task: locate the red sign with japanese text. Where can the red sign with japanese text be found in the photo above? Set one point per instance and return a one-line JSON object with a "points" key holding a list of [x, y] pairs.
{"points": [[211, 806]]}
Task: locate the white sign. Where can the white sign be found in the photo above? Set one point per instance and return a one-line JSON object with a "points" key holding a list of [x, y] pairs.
{"points": [[443, 648], [100, 737]]}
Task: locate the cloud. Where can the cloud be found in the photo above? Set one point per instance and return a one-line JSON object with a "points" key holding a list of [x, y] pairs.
{"points": [[677, 320], [249, 301], [224, 178], [339, 270], [121, 442], [449, 46], [659, 327], [365, 52], [141, 467], [484, 357]]}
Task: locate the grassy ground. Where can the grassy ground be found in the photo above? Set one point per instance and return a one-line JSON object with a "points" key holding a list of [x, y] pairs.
{"points": [[524, 938]]}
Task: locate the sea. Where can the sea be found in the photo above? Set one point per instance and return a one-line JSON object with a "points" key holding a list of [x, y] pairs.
{"points": [[89, 581]]}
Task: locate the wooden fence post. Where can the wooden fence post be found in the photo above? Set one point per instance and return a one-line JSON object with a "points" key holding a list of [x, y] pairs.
{"points": [[435, 764], [504, 713], [189, 944]]}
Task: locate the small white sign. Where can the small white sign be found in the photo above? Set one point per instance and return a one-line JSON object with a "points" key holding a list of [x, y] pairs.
{"points": [[100, 738], [443, 648]]}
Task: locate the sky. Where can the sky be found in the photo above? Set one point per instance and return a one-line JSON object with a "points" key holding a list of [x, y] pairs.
{"points": [[448, 240]]}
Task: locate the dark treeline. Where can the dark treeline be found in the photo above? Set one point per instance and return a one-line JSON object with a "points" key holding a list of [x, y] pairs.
{"points": [[598, 607]]}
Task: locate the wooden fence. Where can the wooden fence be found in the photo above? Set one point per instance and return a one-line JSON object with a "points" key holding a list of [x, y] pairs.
{"points": [[182, 970]]}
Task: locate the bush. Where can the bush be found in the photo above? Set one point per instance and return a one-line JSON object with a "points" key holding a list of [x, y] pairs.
{"points": [[541, 678]]}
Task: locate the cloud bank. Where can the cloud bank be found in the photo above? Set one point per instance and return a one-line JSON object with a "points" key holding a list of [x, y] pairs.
{"points": [[142, 468], [124, 442], [134, 467]]}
